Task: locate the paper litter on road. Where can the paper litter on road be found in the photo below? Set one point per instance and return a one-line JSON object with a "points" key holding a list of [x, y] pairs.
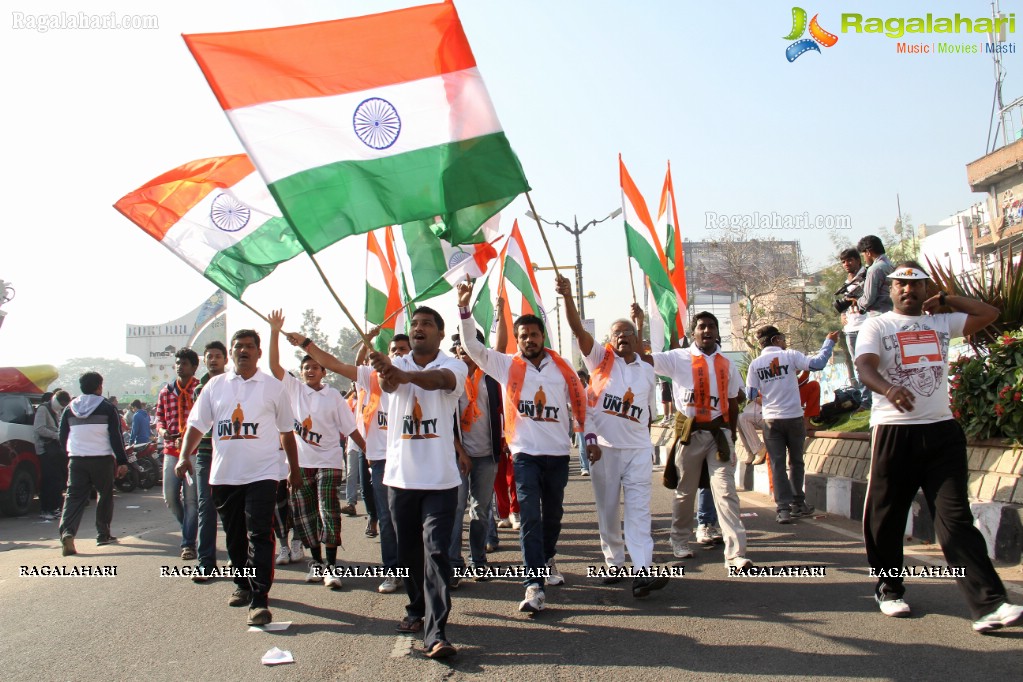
{"points": [[133, 506], [747, 515], [270, 627], [275, 657]]}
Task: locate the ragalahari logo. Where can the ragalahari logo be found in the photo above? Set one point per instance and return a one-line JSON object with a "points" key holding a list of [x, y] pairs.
{"points": [[818, 36]]}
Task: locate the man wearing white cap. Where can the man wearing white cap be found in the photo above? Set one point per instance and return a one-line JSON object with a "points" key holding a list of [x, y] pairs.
{"points": [[902, 356]]}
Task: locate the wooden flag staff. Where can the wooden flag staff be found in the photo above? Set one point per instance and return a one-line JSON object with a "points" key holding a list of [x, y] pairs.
{"points": [[536, 216], [333, 293]]}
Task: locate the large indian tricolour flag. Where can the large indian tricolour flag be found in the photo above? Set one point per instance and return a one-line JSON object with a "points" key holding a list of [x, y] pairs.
{"points": [[360, 123], [644, 246], [217, 215]]}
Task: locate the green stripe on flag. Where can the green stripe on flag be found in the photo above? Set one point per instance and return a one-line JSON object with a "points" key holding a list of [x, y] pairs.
{"points": [[519, 279], [483, 311], [426, 259], [335, 201], [254, 257], [663, 291]]}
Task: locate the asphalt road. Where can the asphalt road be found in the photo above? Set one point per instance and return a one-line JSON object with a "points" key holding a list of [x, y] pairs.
{"points": [[706, 625]]}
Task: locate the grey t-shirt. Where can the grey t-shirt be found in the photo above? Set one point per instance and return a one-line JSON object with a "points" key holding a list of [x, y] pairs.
{"points": [[477, 440]]}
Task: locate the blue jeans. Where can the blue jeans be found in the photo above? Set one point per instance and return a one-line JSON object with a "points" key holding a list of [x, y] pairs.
{"points": [[381, 495], [540, 482], [207, 546], [706, 514], [866, 395], [584, 461], [181, 500], [492, 539], [476, 492]]}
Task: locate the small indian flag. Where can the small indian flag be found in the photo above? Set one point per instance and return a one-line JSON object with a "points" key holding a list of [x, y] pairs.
{"points": [[218, 216], [644, 246], [667, 220], [383, 292], [365, 122], [517, 270], [437, 265]]}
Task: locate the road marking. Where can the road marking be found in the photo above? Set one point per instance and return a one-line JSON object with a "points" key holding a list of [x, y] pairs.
{"points": [[402, 646]]}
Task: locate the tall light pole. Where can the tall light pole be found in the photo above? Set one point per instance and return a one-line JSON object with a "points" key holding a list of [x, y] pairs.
{"points": [[576, 231], [557, 305]]}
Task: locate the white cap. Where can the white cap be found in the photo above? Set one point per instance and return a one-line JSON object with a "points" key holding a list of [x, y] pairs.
{"points": [[908, 272]]}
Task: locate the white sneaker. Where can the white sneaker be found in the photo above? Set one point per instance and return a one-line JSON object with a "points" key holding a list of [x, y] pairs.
{"points": [[283, 556], [680, 550], [535, 599], [1004, 616], [297, 554], [316, 572], [331, 580], [703, 535], [389, 586], [504, 523], [739, 562], [555, 577], [513, 518], [898, 608]]}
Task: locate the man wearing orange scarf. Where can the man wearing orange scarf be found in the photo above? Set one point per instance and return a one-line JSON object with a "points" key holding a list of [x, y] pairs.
{"points": [[539, 390], [621, 399], [707, 386], [172, 407]]}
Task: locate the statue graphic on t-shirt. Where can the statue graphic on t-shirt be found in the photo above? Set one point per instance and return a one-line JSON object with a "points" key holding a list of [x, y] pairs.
{"points": [[627, 401], [417, 415], [540, 400], [307, 426], [237, 417]]}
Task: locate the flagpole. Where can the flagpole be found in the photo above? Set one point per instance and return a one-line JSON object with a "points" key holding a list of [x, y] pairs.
{"points": [[536, 216], [628, 259], [254, 311], [333, 293]]}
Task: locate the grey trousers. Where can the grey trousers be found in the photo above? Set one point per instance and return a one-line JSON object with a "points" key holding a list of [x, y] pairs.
{"points": [[781, 435]]}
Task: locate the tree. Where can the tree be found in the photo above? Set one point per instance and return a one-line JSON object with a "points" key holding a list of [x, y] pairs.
{"points": [[119, 377]]}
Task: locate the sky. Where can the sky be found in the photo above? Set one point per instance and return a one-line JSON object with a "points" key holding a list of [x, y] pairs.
{"points": [[93, 114]]}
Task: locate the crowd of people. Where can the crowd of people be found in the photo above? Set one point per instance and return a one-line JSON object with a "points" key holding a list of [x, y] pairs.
{"points": [[432, 435]]}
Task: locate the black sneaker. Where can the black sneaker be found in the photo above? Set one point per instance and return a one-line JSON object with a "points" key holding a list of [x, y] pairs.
{"points": [[801, 510], [201, 574], [106, 540], [240, 597], [454, 582], [643, 586], [613, 578]]}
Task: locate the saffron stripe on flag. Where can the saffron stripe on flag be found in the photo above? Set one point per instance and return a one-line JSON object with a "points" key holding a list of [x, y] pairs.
{"points": [[332, 57]]}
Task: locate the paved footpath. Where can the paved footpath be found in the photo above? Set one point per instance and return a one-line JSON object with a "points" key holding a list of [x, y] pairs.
{"points": [[706, 625]]}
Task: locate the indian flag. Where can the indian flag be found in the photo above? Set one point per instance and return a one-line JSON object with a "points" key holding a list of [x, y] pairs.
{"points": [[667, 221], [517, 270], [437, 265], [644, 246], [383, 293], [217, 215], [360, 123]]}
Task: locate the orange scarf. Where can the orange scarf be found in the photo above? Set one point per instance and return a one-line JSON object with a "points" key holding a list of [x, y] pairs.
{"points": [[600, 376], [185, 402], [370, 406], [516, 378], [472, 391], [701, 386]]}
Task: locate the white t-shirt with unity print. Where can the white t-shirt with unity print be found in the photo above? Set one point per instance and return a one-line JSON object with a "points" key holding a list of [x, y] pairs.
{"points": [[913, 352], [677, 365], [376, 434], [622, 413], [320, 419], [247, 417], [421, 429]]}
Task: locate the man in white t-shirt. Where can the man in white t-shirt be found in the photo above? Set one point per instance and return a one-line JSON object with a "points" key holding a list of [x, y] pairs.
{"points": [[253, 421], [541, 392], [902, 355], [772, 376], [322, 417], [621, 403], [423, 472], [706, 387]]}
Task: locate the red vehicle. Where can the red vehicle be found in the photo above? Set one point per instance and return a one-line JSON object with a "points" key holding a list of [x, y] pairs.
{"points": [[21, 389]]}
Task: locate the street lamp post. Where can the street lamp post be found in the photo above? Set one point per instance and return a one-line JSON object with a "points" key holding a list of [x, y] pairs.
{"points": [[576, 231], [557, 305]]}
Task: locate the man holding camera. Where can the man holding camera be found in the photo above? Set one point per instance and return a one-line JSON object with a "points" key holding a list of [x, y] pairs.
{"points": [[852, 318]]}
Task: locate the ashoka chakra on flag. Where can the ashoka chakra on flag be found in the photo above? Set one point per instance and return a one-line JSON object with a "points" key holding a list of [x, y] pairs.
{"points": [[377, 123], [229, 214]]}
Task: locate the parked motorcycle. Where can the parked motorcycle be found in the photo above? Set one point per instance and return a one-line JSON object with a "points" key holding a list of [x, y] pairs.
{"points": [[143, 470]]}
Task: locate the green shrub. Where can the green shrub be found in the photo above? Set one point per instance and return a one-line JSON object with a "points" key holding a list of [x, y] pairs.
{"points": [[987, 390]]}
